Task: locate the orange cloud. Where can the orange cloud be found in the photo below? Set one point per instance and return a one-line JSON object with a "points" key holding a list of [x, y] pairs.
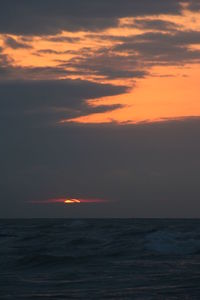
{"points": [[170, 93], [159, 89]]}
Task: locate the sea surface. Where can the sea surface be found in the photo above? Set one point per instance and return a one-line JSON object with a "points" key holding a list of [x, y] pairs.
{"points": [[99, 259]]}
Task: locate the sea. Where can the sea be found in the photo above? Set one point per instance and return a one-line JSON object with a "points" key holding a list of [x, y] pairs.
{"points": [[144, 259]]}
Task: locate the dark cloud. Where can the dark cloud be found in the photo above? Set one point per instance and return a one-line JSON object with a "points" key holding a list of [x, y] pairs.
{"points": [[50, 17], [149, 170], [12, 43], [162, 48], [155, 24], [194, 5], [96, 63], [115, 73], [179, 38], [49, 51], [107, 64], [62, 39], [132, 56], [55, 98], [5, 63], [142, 51], [10, 72]]}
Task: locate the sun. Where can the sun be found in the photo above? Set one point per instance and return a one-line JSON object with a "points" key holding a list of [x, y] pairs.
{"points": [[71, 201]]}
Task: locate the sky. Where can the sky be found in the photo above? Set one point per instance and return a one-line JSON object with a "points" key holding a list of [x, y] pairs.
{"points": [[99, 108]]}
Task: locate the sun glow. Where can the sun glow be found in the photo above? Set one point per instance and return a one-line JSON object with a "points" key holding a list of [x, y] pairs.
{"points": [[71, 201], [68, 201]]}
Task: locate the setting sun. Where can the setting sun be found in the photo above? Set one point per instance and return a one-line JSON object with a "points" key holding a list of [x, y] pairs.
{"points": [[71, 201]]}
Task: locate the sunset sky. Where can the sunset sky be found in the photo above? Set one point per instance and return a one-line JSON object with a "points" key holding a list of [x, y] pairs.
{"points": [[100, 100]]}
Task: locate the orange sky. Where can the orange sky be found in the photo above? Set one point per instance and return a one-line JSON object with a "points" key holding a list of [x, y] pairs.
{"points": [[168, 91], [155, 98]]}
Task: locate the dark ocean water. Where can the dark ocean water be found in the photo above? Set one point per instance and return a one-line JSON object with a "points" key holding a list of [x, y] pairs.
{"points": [[99, 259]]}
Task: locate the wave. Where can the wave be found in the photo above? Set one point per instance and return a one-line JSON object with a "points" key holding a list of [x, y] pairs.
{"points": [[170, 242], [45, 260]]}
